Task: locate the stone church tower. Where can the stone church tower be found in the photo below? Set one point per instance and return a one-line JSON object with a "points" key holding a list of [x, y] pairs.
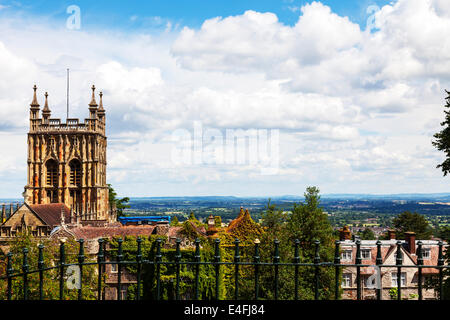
{"points": [[67, 161]]}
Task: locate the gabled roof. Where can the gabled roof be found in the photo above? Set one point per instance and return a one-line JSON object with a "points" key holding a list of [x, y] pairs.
{"points": [[29, 208], [51, 213]]}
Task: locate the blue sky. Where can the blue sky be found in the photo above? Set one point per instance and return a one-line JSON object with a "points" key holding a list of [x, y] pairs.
{"points": [[117, 14], [353, 98]]}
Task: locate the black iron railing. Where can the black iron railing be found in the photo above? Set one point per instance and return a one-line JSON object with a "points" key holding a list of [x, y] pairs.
{"points": [[256, 262]]}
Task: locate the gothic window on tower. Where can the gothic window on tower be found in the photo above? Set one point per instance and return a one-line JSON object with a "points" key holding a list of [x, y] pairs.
{"points": [[52, 173], [75, 173], [52, 196]]}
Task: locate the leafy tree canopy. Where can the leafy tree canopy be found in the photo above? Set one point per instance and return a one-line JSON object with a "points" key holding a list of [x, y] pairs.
{"points": [[442, 142], [414, 222]]}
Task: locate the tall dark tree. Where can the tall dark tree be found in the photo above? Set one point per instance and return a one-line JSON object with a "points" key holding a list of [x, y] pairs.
{"points": [[305, 223], [442, 142], [414, 222]]}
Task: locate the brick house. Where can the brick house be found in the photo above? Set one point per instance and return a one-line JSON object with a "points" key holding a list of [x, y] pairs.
{"points": [[409, 276]]}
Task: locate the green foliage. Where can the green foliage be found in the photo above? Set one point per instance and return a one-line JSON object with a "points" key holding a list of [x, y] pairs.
{"points": [[189, 230], [218, 221], [120, 203], [305, 223], [273, 220], [174, 222], [52, 276], [367, 234], [168, 272], [393, 293], [442, 142], [414, 222]]}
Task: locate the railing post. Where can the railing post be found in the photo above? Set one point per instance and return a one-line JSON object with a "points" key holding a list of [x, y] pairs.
{"points": [[100, 259], [296, 261], [9, 271], [316, 273], [25, 269], [62, 259], [119, 269], [236, 268], [337, 262], [441, 263], [379, 262], [419, 263], [276, 260], [256, 260], [139, 261], [177, 265], [358, 269], [80, 265], [217, 261], [41, 273], [158, 268], [398, 262], [197, 267]]}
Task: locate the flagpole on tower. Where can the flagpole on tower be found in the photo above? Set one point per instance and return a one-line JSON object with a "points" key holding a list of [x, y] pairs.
{"points": [[67, 94]]}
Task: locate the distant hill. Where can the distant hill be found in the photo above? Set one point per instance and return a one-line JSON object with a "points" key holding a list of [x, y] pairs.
{"points": [[331, 196]]}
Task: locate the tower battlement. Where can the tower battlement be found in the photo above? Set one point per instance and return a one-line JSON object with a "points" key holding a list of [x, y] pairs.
{"points": [[71, 125], [67, 161]]}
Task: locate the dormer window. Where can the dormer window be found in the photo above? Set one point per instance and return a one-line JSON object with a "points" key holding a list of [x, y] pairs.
{"points": [[346, 255], [426, 253], [366, 254]]}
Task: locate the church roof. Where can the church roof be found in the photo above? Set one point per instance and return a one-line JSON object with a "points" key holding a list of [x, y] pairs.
{"points": [[51, 213]]}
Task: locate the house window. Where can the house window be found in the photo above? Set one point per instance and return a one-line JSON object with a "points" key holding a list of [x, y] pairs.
{"points": [[366, 254], [346, 280], [114, 268], [394, 279], [346, 255], [426, 253]]}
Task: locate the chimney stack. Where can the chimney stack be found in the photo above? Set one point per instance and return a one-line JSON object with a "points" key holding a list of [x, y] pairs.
{"points": [[3, 213], [344, 234], [410, 238], [391, 234]]}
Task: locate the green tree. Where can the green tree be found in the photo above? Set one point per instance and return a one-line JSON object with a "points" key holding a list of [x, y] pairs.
{"points": [[306, 223], [120, 203], [218, 221], [174, 222], [414, 222], [442, 142], [192, 216], [51, 276], [367, 234], [273, 220]]}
